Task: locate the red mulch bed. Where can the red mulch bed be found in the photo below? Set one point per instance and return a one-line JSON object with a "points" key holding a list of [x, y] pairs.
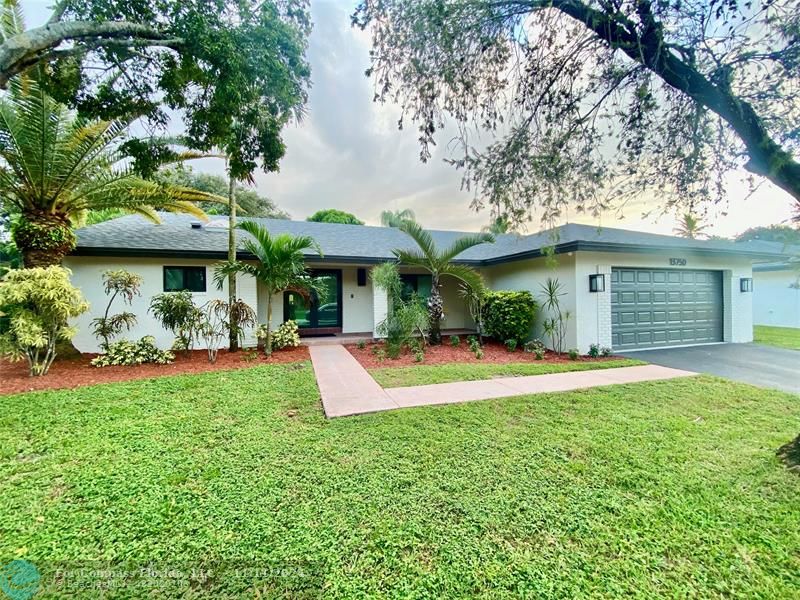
{"points": [[493, 352], [78, 372]]}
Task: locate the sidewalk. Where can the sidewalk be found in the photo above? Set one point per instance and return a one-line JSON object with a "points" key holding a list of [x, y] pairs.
{"points": [[347, 388]]}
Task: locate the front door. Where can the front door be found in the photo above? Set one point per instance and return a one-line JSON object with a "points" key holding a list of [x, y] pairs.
{"points": [[321, 313]]}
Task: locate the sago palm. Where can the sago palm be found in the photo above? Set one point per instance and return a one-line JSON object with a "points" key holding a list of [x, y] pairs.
{"points": [[55, 167], [439, 263], [690, 227], [280, 265]]}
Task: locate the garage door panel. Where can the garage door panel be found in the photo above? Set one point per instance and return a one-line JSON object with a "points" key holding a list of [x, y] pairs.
{"points": [[662, 307]]}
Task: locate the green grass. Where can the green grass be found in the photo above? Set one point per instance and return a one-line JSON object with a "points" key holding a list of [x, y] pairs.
{"points": [[782, 337], [424, 374], [662, 489]]}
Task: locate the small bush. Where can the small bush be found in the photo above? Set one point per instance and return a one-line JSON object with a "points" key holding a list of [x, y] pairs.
{"points": [[286, 336], [455, 341], [594, 350], [538, 353], [511, 345], [472, 340], [375, 349], [534, 345], [606, 351], [509, 315], [393, 350], [361, 344], [380, 354], [479, 353], [474, 345], [419, 356], [127, 352], [573, 353]]}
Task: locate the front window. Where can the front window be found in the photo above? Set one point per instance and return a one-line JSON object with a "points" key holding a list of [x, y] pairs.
{"points": [[177, 279], [416, 284]]}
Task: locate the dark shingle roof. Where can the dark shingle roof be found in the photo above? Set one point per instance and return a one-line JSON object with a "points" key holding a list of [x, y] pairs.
{"points": [[175, 237]]}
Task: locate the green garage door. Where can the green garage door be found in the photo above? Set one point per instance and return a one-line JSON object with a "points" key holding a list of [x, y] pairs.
{"points": [[665, 307]]}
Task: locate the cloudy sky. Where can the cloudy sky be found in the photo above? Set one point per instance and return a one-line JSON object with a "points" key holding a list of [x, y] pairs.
{"points": [[348, 154]]}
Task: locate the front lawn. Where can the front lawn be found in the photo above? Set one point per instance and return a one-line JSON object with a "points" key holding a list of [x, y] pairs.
{"points": [[424, 374], [782, 337], [662, 489]]}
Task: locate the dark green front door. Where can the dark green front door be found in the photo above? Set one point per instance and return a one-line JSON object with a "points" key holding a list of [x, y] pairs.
{"points": [[651, 308], [322, 311]]}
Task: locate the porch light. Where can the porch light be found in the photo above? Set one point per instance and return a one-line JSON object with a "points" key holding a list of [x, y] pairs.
{"points": [[746, 284], [597, 282]]}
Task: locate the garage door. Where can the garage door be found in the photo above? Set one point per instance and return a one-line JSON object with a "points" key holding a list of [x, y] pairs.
{"points": [[665, 307]]}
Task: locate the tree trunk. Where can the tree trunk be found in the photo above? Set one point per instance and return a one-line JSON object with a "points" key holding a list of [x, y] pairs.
{"points": [[435, 312], [233, 337], [43, 240]]}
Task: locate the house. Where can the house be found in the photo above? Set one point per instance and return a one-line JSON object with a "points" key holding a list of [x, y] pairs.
{"points": [[776, 288], [623, 289]]}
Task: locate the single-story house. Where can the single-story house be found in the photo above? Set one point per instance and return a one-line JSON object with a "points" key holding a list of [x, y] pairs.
{"points": [[623, 289], [776, 288]]}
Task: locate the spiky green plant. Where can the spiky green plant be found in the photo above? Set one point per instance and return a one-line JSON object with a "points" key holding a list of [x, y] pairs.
{"points": [[439, 263], [56, 166]]}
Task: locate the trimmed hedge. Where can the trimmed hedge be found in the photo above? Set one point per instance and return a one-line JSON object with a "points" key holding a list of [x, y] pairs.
{"points": [[509, 315]]}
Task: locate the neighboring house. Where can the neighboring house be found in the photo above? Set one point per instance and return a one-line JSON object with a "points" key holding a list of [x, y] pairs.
{"points": [[653, 290], [776, 288]]}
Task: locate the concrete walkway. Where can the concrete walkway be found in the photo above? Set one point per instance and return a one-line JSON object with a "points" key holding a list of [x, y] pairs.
{"points": [[347, 388]]}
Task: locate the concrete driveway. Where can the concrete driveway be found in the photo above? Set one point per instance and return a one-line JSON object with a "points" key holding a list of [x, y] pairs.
{"points": [[764, 366]]}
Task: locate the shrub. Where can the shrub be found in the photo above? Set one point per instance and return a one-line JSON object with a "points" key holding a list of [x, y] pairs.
{"points": [[555, 326], [407, 318], [116, 283], [473, 344], [479, 353], [419, 356], [38, 303], [538, 353], [511, 345], [509, 315], [606, 351], [361, 344], [393, 350], [455, 341], [573, 354], [534, 345], [177, 312], [218, 317], [594, 350], [380, 354], [286, 336], [127, 352]]}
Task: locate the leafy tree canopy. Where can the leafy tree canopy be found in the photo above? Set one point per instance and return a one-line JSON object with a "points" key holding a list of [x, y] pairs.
{"points": [[331, 215], [248, 201], [591, 102], [235, 69], [773, 233]]}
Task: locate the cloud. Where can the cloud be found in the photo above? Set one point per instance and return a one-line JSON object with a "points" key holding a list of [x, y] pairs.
{"points": [[348, 153]]}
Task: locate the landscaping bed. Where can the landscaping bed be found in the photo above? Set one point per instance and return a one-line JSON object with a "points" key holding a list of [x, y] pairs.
{"points": [[493, 352], [78, 372]]}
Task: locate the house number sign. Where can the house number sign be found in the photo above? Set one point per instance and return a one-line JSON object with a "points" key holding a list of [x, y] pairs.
{"points": [[677, 262]]}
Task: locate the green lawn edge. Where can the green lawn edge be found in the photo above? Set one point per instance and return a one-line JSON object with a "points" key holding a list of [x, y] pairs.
{"points": [[780, 337], [389, 377]]}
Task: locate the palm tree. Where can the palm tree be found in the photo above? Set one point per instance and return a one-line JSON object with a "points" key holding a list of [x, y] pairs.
{"points": [[395, 218], [690, 227], [498, 225], [55, 167], [439, 264], [280, 265]]}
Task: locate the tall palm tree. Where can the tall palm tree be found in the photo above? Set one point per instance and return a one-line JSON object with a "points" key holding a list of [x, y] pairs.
{"points": [[498, 225], [439, 264], [55, 167], [395, 218], [280, 265], [690, 227]]}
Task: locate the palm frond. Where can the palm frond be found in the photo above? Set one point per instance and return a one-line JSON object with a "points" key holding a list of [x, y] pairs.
{"points": [[423, 238], [463, 244], [413, 258], [465, 274]]}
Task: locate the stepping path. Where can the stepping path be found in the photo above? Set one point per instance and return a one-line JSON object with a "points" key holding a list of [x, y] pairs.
{"points": [[347, 388]]}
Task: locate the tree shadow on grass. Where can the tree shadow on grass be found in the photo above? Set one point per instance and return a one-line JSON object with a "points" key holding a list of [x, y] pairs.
{"points": [[790, 455]]}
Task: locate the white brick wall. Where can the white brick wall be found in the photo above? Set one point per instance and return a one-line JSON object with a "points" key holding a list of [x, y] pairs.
{"points": [[380, 307]]}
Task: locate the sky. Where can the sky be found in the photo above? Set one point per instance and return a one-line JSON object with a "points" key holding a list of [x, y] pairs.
{"points": [[348, 154]]}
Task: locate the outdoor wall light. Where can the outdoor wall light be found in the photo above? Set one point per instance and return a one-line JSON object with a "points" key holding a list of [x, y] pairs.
{"points": [[746, 284], [597, 283]]}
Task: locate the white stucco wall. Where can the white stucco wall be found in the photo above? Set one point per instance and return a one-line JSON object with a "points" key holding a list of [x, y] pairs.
{"points": [[590, 320], [87, 275], [530, 275], [775, 302]]}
